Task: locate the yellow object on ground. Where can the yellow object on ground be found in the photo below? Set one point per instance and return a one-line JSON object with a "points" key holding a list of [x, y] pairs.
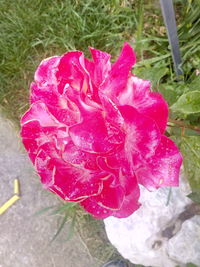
{"points": [[16, 186], [13, 199]]}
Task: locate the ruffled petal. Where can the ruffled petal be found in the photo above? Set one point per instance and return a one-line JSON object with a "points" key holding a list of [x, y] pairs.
{"points": [[65, 116], [99, 67], [112, 113], [61, 108], [39, 112], [130, 203], [94, 135], [97, 211], [39, 127], [71, 71], [120, 70], [79, 158], [45, 73], [126, 181], [118, 165], [125, 61], [33, 135], [77, 183], [142, 136], [138, 95], [111, 196], [118, 160], [71, 182], [46, 94], [163, 168], [45, 165], [103, 165]]}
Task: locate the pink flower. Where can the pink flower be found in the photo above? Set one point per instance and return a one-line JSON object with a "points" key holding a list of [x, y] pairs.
{"points": [[94, 131]]}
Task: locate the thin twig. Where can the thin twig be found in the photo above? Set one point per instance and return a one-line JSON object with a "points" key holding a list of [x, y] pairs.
{"points": [[181, 124]]}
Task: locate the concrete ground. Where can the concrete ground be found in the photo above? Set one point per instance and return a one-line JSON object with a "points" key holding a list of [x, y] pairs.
{"points": [[25, 238]]}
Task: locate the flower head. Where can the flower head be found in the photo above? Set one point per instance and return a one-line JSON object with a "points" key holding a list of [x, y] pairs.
{"points": [[94, 131]]}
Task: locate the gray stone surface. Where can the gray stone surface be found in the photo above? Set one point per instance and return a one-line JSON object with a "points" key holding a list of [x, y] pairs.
{"points": [[24, 238], [164, 232]]}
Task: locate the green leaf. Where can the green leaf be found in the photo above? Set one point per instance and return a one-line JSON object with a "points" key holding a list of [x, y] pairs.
{"points": [[169, 93], [195, 84], [191, 265], [190, 148], [188, 103], [153, 74], [152, 60], [195, 197]]}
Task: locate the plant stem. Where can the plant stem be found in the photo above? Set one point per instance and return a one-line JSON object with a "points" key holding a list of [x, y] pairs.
{"points": [[181, 124]]}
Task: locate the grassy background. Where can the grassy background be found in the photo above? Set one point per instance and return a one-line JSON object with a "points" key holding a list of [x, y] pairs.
{"points": [[33, 30]]}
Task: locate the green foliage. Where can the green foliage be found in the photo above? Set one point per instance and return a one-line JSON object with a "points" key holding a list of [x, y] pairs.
{"points": [[195, 196], [189, 145], [170, 92], [195, 84], [155, 44], [67, 215], [191, 265], [188, 103], [152, 74], [190, 149], [41, 211], [34, 30]]}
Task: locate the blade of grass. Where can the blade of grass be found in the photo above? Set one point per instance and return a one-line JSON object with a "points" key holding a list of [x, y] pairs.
{"points": [[44, 210], [71, 227], [60, 228]]}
